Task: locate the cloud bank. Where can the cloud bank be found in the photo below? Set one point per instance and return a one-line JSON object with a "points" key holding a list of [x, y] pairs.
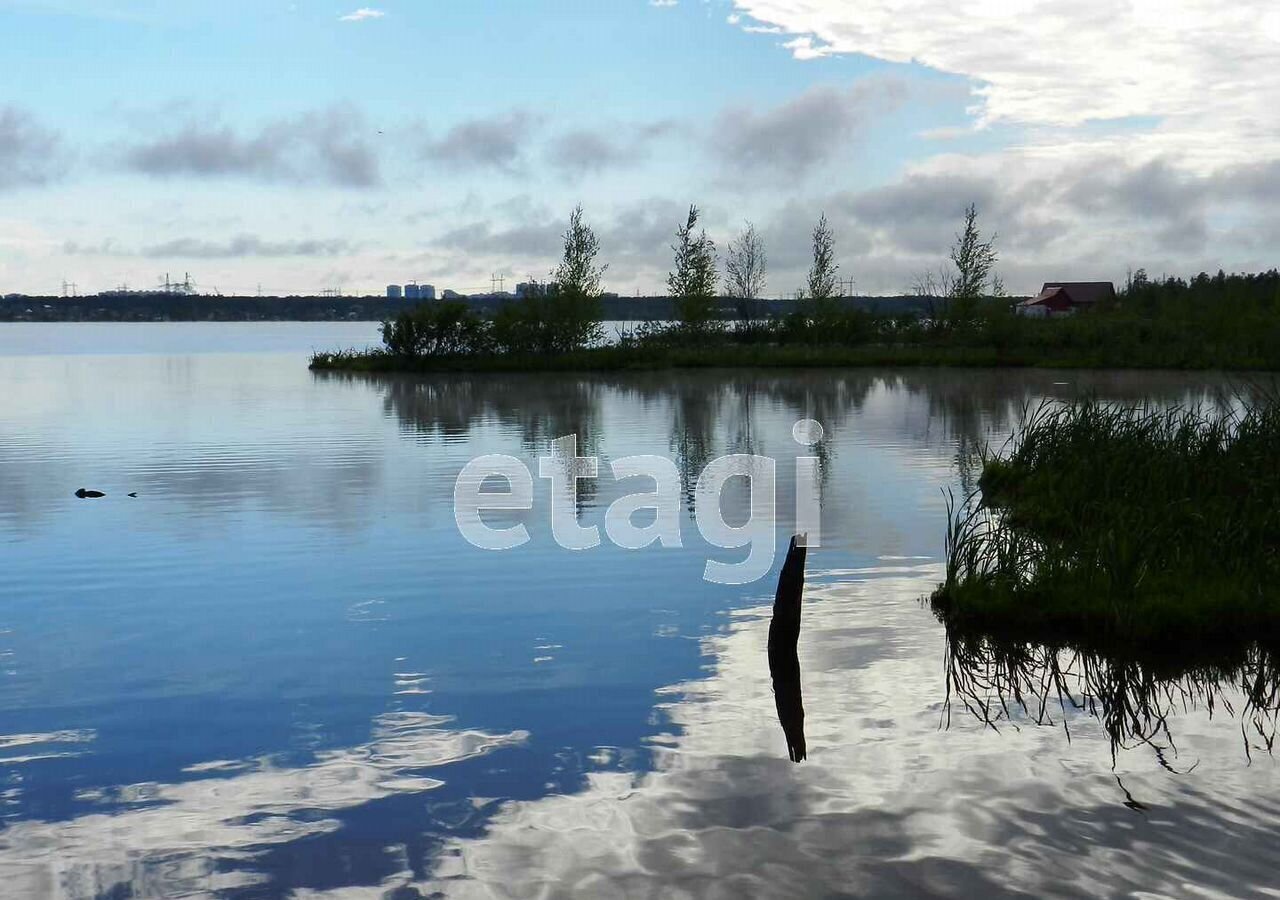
{"points": [[326, 146], [491, 142], [28, 151], [804, 132]]}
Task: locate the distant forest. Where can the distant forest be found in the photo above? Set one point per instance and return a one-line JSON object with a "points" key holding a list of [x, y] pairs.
{"points": [[200, 308]]}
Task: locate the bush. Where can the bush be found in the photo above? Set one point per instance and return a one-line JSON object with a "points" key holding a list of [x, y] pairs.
{"points": [[559, 322], [1126, 522], [823, 323], [445, 328]]}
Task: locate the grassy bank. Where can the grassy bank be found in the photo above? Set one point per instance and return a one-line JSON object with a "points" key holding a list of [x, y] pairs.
{"points": [[997, 338], [736, 355], [1113, 526], [614, 359]]}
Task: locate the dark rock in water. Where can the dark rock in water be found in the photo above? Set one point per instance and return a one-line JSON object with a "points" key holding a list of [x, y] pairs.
{"points": [[84, 494], [784, 660]]}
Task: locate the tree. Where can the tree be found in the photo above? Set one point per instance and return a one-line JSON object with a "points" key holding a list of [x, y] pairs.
{"points": [[572, 306], [745, 265], [974, 260], [693, 283], [822, 273], [1136, 281], [578, 275], [563, 315], [933, 284]]}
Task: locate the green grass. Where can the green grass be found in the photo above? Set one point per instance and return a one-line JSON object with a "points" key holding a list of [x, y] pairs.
{"points": [[1111, 525], [731, 355]]}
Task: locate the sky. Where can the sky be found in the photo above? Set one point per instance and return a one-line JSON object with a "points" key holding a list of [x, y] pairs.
{"points": [[300, 146]]}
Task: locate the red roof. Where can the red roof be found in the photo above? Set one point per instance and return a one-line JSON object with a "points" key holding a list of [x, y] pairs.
{"points": [[1084, 293], [1064, 295], [1055, 298]]}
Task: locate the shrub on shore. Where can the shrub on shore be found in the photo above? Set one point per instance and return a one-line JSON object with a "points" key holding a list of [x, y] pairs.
{"points": [[446, 328]]}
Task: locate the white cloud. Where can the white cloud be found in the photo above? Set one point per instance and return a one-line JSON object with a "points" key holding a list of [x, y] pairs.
{"points": [[1202, 71], [804, 48], [362, 14], [664, 4]]}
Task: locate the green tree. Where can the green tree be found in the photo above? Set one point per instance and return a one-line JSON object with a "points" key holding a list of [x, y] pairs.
{"points": [[822, 272], [578, 273], [693, 282], [975, 261], [564, 315], [574, 298]]}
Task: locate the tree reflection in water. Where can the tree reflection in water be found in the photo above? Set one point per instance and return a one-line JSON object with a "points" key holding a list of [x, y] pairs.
{"points": [[1135, 699]]}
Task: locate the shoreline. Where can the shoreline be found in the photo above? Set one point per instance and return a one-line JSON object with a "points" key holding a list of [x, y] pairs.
{"points": [[732, 357]]}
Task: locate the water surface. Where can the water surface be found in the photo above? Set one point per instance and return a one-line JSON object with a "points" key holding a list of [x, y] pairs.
{"points": [[281, 672]]}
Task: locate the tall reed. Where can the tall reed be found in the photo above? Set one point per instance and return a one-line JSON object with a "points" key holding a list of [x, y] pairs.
{"points": [[1124, 520]]}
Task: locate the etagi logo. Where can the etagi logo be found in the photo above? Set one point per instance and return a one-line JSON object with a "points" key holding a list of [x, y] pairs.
{"points": [[563, 467]]}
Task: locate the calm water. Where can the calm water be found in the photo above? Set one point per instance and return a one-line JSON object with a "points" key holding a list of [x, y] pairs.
{"points": [[281, 672]]}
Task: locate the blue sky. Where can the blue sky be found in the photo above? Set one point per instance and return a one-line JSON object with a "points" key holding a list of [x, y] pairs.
{"points": [[307, 145]]}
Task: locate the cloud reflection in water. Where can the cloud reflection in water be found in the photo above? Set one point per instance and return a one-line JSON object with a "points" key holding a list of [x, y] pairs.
{"points": [[199, 837], [889, 804]]}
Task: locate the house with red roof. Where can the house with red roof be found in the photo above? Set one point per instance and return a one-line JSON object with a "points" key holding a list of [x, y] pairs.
{"points": [[1066, 298]]}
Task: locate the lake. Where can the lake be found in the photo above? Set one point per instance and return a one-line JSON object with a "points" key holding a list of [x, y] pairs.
{"points": [[281, 671]]}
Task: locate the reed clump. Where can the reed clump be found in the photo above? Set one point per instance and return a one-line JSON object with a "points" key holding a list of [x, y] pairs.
{"points": [[1124, 523]]}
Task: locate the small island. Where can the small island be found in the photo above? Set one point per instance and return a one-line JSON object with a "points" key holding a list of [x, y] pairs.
{"points": [[958, 316]]}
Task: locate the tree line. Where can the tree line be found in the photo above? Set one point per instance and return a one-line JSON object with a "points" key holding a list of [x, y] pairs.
{"points": [[565, 316], [1223, 320]]}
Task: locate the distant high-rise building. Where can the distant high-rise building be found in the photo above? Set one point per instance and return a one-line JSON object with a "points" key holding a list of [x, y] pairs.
{"points": [[394, 292], [412, 291], [535, 288], [427, 291]]}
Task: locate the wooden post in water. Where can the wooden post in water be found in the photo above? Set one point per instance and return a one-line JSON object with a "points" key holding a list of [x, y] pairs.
{"points": [[784, 660]]}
